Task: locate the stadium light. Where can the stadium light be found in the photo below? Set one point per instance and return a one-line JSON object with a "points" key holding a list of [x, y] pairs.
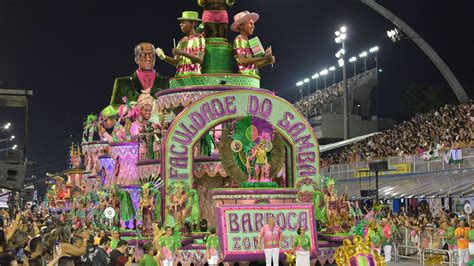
{"points": [[333, 70], [299, 83], [374, 49], [341, 36], [14, 147], [323, 73], [340, 62], [306, 80], [7, 126], [394, 35], [12, 137], [315, 78], [353, 61], [364, 55]]}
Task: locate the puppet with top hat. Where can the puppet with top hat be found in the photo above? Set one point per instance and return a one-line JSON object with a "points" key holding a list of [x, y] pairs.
{"points": [[189, 54]]}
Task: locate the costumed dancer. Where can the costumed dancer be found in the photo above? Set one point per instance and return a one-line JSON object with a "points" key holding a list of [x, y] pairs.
{"points": [[110, 121], [373, 235], [331, 208], [169, 246], [387, 239], [189, 54], [271, 235], [143, 128], [212, 248], [149, 206], [462, 236], [471, 243], [302, 247], [178, 200], [193, 203], [215, 17], [121, 201], [248, 62], [90, 126]]}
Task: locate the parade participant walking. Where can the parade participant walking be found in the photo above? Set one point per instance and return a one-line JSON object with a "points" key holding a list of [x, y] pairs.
{"points": [[271, 235], [462, 235], [387, 240], [212, 248], [148, 251], [189, 54], [247, 62], [471, 243], [302, 247], [169, 246]]}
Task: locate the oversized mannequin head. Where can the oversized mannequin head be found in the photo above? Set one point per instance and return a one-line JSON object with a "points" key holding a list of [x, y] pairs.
{"points": [[145, 56]]}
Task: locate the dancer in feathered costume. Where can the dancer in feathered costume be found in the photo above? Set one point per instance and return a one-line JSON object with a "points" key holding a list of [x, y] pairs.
{"points": [[121, 201], [195, 211], [149, 206], [169, 245], [212, 248], [90, 126], [177, 205]]}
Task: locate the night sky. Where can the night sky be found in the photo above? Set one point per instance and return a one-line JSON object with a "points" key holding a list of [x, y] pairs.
{"points": [[69, 53]]}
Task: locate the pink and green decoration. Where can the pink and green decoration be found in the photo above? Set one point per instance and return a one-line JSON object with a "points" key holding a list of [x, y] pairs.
{"points": [[198, 118]]}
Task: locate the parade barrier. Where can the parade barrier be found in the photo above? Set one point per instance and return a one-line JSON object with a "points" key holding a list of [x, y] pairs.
{"points": [[433, 252], [408, 249]]}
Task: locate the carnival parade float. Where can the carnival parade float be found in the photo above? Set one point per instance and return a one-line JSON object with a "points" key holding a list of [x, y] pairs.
{"points": [[205, 149]]}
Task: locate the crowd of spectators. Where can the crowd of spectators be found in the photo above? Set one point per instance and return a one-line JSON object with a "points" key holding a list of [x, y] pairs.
{"points": [[328, 99], [428, 135], [36, 237]]}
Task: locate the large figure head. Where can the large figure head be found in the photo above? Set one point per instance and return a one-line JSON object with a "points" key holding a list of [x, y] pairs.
{"points": [[145, 56]]}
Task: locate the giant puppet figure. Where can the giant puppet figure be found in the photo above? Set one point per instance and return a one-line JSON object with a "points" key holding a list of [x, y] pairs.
{"points": [[189, 54], [215, 17], [249, 53], [145, 77]]}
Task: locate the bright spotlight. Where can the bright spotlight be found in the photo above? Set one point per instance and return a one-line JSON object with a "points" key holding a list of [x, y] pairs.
{"points": [[343, 29], [340, 62], [7, 125], [373, 49], [353, 59], [12, 137], [332, 68], [299, 83], [14, 147], [323, 72], [306, 80], [363, 54], [315, 76]]}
